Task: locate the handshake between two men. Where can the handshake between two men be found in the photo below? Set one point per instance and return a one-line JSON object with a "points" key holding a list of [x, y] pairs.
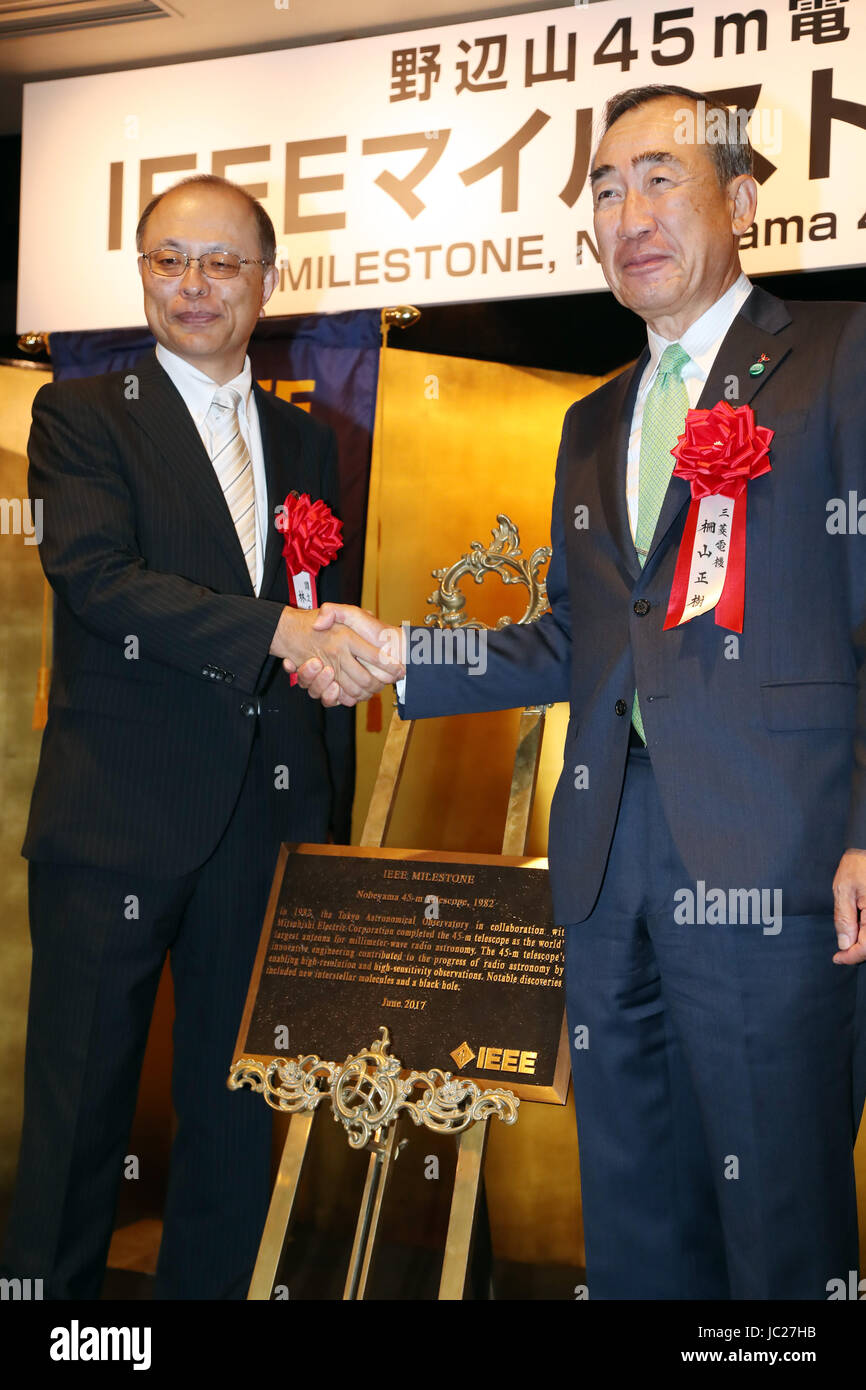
{"points": [[341, 654]]}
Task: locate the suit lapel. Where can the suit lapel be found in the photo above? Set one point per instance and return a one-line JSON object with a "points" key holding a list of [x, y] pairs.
{"points": [[161, 412], [613, 463], [289, 467], [752, 333], [276, 450]]}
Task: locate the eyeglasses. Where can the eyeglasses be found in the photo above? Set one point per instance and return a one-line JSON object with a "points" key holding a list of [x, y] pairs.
{"points": [[216, 265]]}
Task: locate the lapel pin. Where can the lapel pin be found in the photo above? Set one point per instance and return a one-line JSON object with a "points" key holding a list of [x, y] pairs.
{"points": [[757, 367]]}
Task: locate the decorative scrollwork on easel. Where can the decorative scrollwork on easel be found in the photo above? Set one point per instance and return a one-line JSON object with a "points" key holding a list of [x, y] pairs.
{"points": [[502, 556], [289, 1085], [367, 1092]]}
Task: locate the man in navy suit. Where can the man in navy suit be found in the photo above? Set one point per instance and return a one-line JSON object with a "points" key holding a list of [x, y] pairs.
{"points": [[712, 802], [176, 756]]}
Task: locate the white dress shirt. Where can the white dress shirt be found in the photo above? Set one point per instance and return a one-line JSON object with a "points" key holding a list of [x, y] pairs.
{"points": [[701, 341], [197, 391]]}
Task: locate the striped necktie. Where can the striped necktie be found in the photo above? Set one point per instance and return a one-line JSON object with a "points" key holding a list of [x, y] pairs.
{"points": [[664, 418], [233, 467]]}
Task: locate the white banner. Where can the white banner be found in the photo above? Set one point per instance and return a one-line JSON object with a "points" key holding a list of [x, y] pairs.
{"points": [[439, 165]]}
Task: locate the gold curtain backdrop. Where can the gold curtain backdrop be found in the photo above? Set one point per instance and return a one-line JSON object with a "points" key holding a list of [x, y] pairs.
{"points": [[20, 631]]}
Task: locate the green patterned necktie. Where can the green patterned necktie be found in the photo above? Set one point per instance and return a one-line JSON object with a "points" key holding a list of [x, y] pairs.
{"points": [[664, 417]]}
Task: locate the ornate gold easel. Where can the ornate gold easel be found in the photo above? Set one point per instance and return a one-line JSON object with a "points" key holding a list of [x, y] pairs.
{"points": [[367, 1092]]}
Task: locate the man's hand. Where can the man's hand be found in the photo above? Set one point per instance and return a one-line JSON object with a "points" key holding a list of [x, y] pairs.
{"points": [[849, 893], [320, 679], [347, 645]]}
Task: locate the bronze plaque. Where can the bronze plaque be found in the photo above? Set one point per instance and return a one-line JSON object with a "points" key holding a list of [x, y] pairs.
{"points": [[352, 940]]}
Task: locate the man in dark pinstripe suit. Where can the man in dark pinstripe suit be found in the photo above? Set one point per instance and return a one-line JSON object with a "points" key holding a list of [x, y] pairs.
{"points": [[176, 756]]}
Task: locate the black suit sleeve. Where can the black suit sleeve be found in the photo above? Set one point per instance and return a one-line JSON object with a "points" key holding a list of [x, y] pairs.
{"points": [[92, 560]]}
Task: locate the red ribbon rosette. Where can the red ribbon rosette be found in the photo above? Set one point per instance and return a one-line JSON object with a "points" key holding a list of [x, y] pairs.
{"points": [[721, 451], [312, 537]]}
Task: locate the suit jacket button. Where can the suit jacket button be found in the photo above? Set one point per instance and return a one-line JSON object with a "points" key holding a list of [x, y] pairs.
{"points": [[248, 708], [620, 706], [642, 606]]}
